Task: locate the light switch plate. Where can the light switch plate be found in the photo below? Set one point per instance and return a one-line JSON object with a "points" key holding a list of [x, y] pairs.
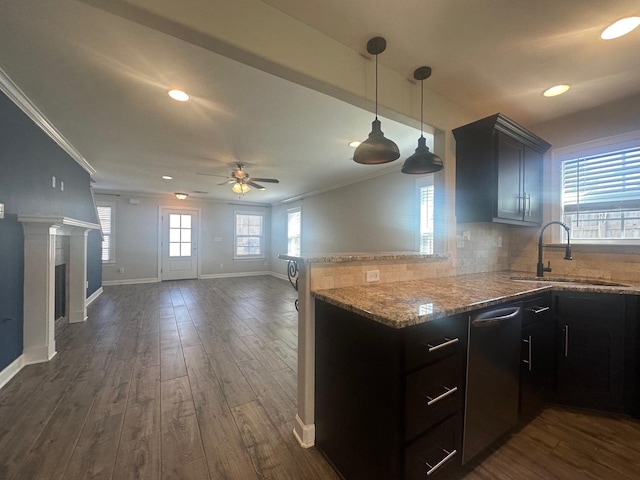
{"points": [[1, 211]]}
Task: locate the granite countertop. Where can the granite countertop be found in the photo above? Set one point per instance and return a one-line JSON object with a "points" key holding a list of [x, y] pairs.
{"points": [[402, 304], [362, 257]]}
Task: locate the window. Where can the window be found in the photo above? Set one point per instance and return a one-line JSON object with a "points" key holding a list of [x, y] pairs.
{"points": [[105, 216], [601, 195], [249, 235], [426, 198], [179, 235], [294, 219]]}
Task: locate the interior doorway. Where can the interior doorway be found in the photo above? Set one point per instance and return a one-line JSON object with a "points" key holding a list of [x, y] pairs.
{"points": [[179, 243]]}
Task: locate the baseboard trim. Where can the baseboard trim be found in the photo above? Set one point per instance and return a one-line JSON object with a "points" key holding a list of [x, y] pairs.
{"points": [[131, 281], [93, 297], [279, 275], [11, 370], [208, 276], [305, 434]]}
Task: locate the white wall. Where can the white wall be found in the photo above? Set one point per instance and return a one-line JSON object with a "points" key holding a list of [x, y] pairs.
{"points": [[376, 215], [136, 237]]}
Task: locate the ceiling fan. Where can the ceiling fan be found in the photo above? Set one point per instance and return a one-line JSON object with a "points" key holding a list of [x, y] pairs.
{"points": [[242, 180]]}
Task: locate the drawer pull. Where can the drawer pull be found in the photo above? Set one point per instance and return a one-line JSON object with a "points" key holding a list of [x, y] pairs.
{"points": [[449, 456], [537, 310], [446, 343], [448, 392]]}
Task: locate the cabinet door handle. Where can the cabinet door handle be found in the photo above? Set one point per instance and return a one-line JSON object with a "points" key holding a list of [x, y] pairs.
{"points": [[446, 343], [448, 456], [537, 310], [448, 391], [529, 343], [566, 341]]}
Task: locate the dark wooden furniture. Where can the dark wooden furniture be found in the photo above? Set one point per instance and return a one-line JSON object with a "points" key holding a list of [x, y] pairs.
{"points": [[389, 401], [498, 172], [537, 368], [590, 349]]}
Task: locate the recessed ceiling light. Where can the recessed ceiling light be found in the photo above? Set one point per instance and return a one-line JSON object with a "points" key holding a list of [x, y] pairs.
{"points": [[354, 144], [178, 95], [620, 28], [555, 90], [167, 177], [181, 196]]}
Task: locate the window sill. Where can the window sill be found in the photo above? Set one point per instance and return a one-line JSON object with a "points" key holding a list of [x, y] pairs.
{"points": [[249, 258]]}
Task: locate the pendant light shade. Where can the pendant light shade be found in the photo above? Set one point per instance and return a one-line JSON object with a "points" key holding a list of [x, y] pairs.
{"points": [[422, 161], [241, 188], [377, 148]]}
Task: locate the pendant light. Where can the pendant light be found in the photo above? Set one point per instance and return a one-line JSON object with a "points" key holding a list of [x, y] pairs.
{"points": [[376, 149], [240, 187], [422, 161]]}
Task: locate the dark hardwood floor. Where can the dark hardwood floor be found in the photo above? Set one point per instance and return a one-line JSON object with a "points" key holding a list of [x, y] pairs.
{"points": [[196, 380]]}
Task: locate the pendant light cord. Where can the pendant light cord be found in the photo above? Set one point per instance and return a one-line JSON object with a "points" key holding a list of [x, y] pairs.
{"points": [[376, 86], [421, 105]]}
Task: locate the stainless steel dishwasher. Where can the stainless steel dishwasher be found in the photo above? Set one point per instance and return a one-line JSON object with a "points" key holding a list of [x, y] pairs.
{"points": [[493, 372]]}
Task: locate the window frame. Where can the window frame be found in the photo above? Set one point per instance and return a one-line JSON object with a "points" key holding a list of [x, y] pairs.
{"points": [[586, 149], [425, 182], [111, 234], [291, 211], [262, 235]]}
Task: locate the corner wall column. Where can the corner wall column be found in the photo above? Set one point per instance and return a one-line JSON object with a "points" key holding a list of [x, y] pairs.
{"points": [[304, 428], [39, 278], [78, 276]]}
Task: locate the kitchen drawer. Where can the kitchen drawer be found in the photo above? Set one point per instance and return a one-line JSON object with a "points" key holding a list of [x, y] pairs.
{"points": [[433, 394], [436, 451], [435, 340]]}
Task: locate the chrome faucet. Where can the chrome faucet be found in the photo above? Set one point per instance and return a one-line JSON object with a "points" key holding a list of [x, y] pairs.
{"points": [[540, 268]]}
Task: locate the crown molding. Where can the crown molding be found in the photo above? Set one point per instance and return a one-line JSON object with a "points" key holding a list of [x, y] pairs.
{"points": [[18, 97]]}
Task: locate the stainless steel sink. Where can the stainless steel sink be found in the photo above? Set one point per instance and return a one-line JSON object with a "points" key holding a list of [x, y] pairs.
{"points": [[578, 281]]}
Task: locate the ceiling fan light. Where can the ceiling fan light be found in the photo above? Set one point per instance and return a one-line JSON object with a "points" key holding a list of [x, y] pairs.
{"points": [[240, 188], [620, 28], [377, 148], [181, 196], [422, 161]]}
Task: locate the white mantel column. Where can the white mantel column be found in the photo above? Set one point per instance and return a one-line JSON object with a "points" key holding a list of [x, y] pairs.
{"points": [[39, 278], [78, 276]]}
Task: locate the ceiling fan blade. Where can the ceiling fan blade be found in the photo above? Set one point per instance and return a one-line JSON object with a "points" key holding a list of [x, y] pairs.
{"points": [[255, 185], [267, 180], [227, 182], [213, 175]]}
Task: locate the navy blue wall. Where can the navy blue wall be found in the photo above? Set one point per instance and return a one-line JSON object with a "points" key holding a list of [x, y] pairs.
{"points": [[28, 160]]}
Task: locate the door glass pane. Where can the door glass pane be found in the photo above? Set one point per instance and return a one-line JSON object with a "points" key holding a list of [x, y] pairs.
{"points": [[179, 235]]}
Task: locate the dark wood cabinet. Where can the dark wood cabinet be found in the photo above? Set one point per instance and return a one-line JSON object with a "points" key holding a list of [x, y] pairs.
{"points": [[498, 172], [389, 402], [590, 349], [537, 368]]}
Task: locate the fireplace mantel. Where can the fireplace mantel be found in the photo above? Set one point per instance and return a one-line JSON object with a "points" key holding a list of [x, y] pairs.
{"points": [[39, 279]]}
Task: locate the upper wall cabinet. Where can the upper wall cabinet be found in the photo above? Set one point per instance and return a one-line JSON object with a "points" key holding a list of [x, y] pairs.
{"points": [[498, 172]]}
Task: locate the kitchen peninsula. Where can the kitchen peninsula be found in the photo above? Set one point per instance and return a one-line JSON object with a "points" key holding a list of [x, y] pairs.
{"points": [[407, 305]]}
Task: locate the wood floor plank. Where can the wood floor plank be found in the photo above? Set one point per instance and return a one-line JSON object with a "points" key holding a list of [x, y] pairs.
{"points": [[138, 459], [180, 435], [95, 452], [278, 405], [269, 454], [142, 415], [266, 356], [171, 361], [237, 390]]}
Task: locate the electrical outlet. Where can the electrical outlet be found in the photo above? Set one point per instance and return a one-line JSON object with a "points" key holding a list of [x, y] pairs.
{"points": [[121, 270], [61, 186], [372, 276], [53, 182]]}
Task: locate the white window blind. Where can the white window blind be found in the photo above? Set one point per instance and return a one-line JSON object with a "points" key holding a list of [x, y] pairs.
{"points": [[601, 195], [426, 218], [294, 217], [249, 235], [105, 216]]}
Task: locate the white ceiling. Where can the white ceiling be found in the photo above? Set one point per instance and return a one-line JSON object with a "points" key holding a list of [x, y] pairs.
{"points": [[101, 79]]}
